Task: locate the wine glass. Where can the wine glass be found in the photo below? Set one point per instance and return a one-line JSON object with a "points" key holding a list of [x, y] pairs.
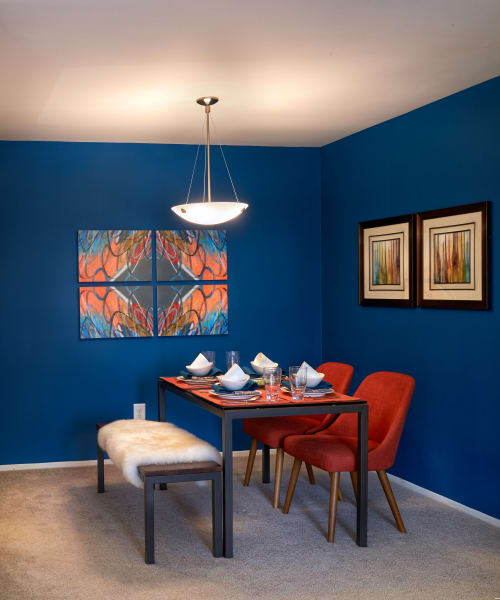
{"points": [[209, 355], [232, 358]]}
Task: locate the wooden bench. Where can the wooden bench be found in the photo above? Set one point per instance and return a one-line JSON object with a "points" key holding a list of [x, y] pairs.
{"points": [[172, 473]]}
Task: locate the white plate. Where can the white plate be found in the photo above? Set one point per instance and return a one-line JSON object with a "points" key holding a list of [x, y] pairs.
{"points": [[242, 397], [197, 380], [317, 394]]}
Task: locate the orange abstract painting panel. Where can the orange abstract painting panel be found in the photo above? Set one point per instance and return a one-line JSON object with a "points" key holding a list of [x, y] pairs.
{"points": [[114, 255], [192, 310], [116, 312], [191, 254]]}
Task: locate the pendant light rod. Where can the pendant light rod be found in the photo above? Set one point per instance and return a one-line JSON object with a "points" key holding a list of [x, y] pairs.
{"points": [[207, 102], [209, 190]]}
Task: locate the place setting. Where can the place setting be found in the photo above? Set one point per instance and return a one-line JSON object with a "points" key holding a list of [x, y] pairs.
{"points": [[237, 384], [201, 372], [305, 382]]}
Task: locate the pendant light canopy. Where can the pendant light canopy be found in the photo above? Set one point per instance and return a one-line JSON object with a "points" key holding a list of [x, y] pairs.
{"points": [[208, 212]]}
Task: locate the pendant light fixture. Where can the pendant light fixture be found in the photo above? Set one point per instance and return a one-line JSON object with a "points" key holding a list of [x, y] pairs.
{"points": [[207, 212]]}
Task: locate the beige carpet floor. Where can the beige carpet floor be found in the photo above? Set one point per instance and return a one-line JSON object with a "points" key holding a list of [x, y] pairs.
{"points": [[59, 539]]}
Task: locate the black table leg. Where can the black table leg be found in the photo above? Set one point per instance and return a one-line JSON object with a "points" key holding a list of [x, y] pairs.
{"points": [[362, 496], [266, 477], [217, 529], [161, 417], [227, 476], [161, 402]]}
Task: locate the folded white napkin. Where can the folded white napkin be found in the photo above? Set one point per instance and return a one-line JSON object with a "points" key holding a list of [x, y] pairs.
{"points": [[235, 373], [261, 360], [307, 368], [200, 361]]}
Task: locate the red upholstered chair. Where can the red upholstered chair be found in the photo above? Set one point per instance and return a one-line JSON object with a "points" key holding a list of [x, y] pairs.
{"points": [[272, 431], [334, 449]]}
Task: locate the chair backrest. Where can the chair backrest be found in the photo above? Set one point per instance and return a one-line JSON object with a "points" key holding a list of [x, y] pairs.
{"points": [[388, 395], [339, 375]]}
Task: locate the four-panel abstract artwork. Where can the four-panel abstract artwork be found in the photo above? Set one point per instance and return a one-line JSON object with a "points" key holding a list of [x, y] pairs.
{"points": [[118, 298]]}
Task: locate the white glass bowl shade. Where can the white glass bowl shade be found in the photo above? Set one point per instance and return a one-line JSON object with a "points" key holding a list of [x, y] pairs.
{"points": [[209, 213]]}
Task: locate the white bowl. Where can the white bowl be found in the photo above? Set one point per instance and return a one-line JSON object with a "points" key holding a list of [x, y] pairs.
{"points": [[260, 370], [233, 385], [200, 371], [314, 379]]}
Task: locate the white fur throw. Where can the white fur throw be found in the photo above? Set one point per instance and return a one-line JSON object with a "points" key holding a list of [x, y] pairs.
{"points": [[132, 443]]}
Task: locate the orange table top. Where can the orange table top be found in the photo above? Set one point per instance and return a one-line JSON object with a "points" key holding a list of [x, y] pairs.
{"points": [[284, 399]]}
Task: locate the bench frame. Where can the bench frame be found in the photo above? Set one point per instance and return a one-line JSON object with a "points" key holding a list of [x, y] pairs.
{"points": [[160, 475]]}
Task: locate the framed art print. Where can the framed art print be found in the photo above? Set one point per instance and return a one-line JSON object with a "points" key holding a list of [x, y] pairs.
{"points": [[452, 253], [386, 262]]}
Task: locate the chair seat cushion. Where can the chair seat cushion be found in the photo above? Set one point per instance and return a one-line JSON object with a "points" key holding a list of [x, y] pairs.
{"points": [[329, 452], [273, 430], [132, 443]]}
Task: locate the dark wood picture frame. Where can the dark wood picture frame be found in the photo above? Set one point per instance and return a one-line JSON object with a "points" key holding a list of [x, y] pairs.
{"points": [[394, 302], [483, 302]]}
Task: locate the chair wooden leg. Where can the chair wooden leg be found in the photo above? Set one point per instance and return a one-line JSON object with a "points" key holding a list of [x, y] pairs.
{"points": [[280, 453], [310, 474], [354, 479], [389, 494], [334, 496], [291, 486], [251, 460], [341, 495]]}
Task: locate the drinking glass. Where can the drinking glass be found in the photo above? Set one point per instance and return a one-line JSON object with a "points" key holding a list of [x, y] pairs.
{"points": [[272, 382], [232, 357], [298, 381], [209, 355]]}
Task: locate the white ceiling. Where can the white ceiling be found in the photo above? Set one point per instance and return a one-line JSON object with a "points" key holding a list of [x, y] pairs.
{"points": [[288, 72]]}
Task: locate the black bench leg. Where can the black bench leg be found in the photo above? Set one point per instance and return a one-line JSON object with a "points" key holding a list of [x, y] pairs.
{"points": [[149, 521], [100, 470], [217, 515]]}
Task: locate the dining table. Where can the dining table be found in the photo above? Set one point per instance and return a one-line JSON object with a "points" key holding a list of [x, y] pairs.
{"points": [[230, 410]]}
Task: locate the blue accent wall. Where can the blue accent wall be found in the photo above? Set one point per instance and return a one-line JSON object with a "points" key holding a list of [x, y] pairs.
{"points": [[55, 387], [444, 154]]}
